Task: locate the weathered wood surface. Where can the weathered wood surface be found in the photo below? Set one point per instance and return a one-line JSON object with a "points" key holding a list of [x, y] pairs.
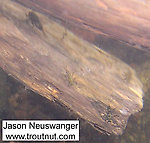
{"points": [[55, 63], [124, 20]]}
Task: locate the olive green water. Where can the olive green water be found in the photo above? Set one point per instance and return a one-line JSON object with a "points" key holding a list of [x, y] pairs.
{"points": [[17, 102]]}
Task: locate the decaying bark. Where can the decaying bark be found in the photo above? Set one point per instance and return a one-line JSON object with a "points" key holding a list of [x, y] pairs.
{"points": [[55, 63]]}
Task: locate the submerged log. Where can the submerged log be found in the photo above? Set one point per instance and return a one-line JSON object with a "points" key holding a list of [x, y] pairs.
{"points": [[127, 21], [58, 65]]}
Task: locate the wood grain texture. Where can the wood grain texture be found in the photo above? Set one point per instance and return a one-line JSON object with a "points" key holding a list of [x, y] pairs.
{"points": [[55, 63]]}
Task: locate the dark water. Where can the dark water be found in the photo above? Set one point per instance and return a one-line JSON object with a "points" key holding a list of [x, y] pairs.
{"points": [[16, 102]]}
